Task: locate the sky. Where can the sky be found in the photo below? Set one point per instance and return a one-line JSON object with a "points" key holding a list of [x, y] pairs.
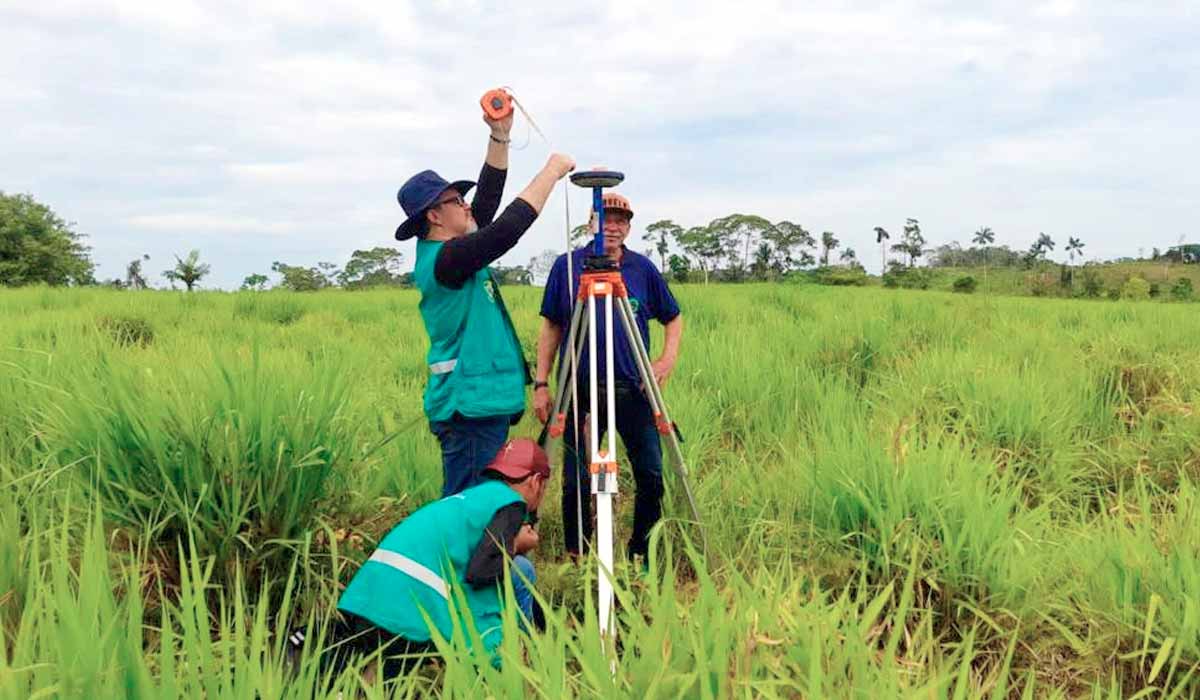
{"points": [[273, 130]]}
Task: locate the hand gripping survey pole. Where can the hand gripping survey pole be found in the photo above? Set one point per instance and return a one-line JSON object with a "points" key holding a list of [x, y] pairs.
{"points": [[601, 284]]}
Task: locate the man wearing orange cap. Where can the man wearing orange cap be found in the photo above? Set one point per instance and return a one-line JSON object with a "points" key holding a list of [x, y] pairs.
{"points": [[458, 543], [650, 298]]}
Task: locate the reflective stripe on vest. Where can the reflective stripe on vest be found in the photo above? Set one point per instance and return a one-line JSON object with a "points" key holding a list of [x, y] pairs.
{"points": [[415, 569], [444, 366]]}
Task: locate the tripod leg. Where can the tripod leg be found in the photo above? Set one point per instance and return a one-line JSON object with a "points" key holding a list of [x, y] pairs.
{"points": [[659, 406], [566, 397], [575, 334], [603, 472]]}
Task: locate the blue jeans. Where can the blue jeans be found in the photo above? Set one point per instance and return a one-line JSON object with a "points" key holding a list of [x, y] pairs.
{"points": [[522, 591], [635, 425], [468, 445]]}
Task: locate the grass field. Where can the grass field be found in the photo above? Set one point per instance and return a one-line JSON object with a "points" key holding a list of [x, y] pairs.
{"points": [[1018, 281], [907, 494]]}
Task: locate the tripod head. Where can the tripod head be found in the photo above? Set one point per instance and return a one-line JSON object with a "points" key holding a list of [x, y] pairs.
{"points": [[597, 180]]}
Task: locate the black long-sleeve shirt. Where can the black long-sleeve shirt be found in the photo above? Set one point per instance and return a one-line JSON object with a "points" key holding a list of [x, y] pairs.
{"points": [[461, 258], [487, 561]]}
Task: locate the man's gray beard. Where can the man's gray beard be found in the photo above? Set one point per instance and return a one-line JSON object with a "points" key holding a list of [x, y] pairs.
{"points": [[472, 227]]}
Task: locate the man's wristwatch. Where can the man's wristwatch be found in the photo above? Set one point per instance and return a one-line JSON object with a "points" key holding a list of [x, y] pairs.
{"points": [[493, 137], [539, 385]]}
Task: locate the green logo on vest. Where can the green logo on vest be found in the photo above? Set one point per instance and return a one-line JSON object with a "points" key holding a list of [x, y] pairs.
{"points": [[635, 304]]}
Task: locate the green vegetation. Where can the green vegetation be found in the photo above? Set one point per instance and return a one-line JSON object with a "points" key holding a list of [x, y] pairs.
{"points": [[908, 494]]}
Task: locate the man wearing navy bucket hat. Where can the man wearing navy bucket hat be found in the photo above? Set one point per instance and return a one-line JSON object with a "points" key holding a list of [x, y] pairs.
{"points": [[477, 370]]}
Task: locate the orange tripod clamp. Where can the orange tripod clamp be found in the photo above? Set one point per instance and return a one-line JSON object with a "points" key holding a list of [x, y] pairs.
{"points": [[497, 103], [601, 284]]}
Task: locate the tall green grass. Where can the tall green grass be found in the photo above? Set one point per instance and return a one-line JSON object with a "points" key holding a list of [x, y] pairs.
{"points": [[906, 494]]}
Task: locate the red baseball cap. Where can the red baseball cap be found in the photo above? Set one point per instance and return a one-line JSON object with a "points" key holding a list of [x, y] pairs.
{"points": [[519, 458]]}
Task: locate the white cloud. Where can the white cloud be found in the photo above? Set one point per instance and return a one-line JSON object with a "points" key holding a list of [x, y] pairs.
{"points": [[204, 222], [283, 128]]}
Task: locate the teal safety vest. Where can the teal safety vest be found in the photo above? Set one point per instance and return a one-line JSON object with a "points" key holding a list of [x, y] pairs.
{"points": [[417, 565], [475, 361]]}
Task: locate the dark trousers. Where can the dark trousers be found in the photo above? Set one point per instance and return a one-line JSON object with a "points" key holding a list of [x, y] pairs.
{"points": [[468, 445], [635, 425], [352, 638]]}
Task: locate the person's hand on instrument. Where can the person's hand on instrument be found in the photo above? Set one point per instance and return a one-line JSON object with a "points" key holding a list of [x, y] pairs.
{"points": [[559, 165], [662, 367], [501, 128]]}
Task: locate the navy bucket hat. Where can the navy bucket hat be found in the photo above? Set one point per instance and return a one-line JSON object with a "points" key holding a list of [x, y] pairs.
{"points": [[418, 194]]}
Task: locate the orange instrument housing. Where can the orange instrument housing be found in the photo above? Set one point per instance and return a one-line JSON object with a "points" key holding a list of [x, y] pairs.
{"points": [[497, 103]]}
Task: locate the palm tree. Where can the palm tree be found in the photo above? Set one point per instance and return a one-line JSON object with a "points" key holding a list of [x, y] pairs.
{"points": [[1074, 247], [984, 237], [189, 271], [848, 256], [660, 233], [133, 273], [828, 243], [881, 237], [1044, 244]]}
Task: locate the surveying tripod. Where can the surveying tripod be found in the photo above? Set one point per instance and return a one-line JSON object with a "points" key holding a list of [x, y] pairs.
{"points": [[601, 283]]}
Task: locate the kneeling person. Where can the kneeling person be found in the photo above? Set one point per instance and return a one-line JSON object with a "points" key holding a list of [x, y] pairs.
{"points": [[461, 540]]}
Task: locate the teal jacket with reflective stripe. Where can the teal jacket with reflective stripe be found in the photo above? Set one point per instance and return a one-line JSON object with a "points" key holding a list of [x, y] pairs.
{"points": [[475, 361], [419, 563]]}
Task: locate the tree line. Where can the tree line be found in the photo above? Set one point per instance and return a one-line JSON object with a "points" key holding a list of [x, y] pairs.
{"points": [[37, 246]]}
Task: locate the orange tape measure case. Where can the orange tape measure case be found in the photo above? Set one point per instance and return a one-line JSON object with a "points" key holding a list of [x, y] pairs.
{"points": [[497, 103]]}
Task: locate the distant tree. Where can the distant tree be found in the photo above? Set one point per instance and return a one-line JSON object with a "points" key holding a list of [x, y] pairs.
{"points": [[256, 282], [736, 234], [790, 244], [881, 237], [680, 268], [379, 266], [1045, 243], [299, 279], [1182, 289], [187, 270], [1093, 286], [1038, 251], [660, 234], [848, 256], [330, 272], [912, 243], [761, 267], [36, 246], [829, 243], [515, 274], [984, 238], [541, 264], [1074, 247], [1135, 289], [133, 273], [701, 244]]}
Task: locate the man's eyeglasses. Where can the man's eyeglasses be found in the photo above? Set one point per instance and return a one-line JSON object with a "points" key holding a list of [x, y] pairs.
{"points": [[456, 199]]}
